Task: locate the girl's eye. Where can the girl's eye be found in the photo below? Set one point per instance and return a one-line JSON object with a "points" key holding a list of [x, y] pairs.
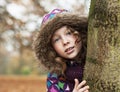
{"points": [[56, 40], [68, 33]]}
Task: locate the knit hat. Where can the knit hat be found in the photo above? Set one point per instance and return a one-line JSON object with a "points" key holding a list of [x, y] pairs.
{"points": [[52, 22]]}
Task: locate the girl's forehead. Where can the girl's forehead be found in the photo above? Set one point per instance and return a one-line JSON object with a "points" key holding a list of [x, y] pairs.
{"points": [[60, 30]]}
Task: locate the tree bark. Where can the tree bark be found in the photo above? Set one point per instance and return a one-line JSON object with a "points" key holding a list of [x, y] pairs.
{"points": [[102, 69]]}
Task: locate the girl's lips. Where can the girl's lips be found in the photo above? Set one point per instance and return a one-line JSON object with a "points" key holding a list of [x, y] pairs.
{"points": [[69, 50]]}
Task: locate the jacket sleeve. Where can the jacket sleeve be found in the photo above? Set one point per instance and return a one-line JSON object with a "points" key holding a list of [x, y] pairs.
{"points": [[55, 85]]}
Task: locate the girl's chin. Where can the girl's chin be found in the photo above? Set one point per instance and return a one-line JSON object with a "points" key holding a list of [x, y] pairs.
{"points": [[73, 56]]}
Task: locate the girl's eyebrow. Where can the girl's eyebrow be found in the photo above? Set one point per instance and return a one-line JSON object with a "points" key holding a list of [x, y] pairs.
{"points": [[54, 35]]}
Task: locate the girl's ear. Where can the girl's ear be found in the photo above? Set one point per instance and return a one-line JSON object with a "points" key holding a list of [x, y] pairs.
{"points": [[78, 37], [76, 33]]}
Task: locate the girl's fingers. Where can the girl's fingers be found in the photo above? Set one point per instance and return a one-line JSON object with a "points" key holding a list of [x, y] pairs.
{"points": [[80, 87], [81, 84], [76, 83], [84, 89]]}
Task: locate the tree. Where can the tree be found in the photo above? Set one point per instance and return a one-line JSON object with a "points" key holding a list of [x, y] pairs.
{"points": [[102, 69]]}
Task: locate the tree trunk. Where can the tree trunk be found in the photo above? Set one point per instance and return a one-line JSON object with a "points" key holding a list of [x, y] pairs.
{"points": [[102, 69]]}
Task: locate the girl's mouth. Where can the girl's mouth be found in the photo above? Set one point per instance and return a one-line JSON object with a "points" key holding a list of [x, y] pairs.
{"points": [[69, 50]]}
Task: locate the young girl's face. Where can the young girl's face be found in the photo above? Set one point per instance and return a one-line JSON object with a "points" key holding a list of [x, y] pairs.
{"points": [[66, 43]]}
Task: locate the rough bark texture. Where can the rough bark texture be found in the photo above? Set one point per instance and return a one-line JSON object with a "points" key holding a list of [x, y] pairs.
{"points": [[102, 69]]}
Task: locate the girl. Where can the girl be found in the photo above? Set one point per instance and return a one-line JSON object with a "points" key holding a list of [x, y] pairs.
{"points": [[61, 47]]}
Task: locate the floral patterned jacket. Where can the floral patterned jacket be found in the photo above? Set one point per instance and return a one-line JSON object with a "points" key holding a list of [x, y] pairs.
{"points": [[54, 84]]}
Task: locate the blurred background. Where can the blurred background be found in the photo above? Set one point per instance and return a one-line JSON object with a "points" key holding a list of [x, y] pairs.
{"points": [[19, 21]]}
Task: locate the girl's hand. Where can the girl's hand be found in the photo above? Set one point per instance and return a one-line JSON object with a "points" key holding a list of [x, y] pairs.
{"points": [[80, 87]]}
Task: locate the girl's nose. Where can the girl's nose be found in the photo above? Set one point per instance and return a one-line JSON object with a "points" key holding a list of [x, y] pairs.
{"points": [[65, 41]]}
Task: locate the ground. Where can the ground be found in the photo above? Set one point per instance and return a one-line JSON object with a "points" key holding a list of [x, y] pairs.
{"points": [[22, 84]]}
